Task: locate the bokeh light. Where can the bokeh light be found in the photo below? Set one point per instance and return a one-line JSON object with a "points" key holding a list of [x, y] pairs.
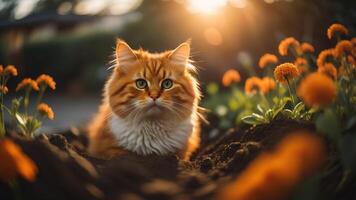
{"points": [[213, 36]]}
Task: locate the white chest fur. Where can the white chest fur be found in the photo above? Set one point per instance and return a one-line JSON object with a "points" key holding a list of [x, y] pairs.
{"points": [[149, 136]]}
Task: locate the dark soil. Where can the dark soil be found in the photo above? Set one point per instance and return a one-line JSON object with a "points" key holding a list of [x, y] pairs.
{"points": [[67, 172]]}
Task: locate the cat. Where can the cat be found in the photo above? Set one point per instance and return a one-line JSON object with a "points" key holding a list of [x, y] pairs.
{"points": [[150, 105]]}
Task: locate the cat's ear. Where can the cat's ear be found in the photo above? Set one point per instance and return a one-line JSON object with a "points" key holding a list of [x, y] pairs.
{"points": [[124, 54], [181, 54]]}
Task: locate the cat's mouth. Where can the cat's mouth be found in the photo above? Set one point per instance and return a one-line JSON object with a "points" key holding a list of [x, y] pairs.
{"points": [[154, 107]]}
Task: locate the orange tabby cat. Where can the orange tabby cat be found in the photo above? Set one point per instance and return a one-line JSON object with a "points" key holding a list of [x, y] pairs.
{"points": [[150, 105]]}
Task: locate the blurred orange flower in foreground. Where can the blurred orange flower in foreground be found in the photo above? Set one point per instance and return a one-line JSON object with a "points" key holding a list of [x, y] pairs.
{"points": [[230, 76], [45, 110], [324, 56], [273, 176], [285, 71], [307, 48], [266, 60], [14, 162], [329, 70], [317, 89], [343, 47], [46, 79], [27, 82], [286, 44], [336, 29]]}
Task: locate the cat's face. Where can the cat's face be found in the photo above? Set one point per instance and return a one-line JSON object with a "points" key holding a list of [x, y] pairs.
{"points": [[146, 85]]}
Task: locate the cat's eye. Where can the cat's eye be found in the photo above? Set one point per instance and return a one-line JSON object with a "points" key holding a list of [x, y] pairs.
{"points": [[166, 84], [141, 83]]}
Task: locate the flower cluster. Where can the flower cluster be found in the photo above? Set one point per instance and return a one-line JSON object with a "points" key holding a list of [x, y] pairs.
{"points": [[45, 110], [254, 85], [285, 72], [230, 76], [314, 86], [287, 45], [307, 48], [267, 59], [27, 83], [26, 122], [335, 29]]}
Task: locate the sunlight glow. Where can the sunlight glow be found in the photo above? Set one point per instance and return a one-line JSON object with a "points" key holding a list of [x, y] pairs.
{"points": [[238, 3], [205, 6]]}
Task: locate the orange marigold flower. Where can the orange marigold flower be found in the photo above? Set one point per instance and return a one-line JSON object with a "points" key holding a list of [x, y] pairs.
{"points": [[351, 60], [230, 76], [344, 46], [45, 110], [3, 89], [267, 59], [300, 61], [328, 69], [307, 48], [274, 175], [286, 44], [336, 29], [302, 65], [46, 79], [285, 71], [27, 82], [14, 162], [252, 85], [323, 57], [10, 69], [267, 84], [317, 89], [1, 69]]}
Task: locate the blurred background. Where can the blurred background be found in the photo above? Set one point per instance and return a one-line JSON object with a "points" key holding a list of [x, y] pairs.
{"points": [[74, 40]]}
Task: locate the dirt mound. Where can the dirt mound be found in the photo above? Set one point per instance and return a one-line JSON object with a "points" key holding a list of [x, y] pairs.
{"points": [[67, 172]]}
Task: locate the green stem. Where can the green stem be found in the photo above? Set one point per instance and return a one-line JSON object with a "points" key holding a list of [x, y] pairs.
{"points": [[290, 91], [265, 100], [27, 100], [40, 96]]}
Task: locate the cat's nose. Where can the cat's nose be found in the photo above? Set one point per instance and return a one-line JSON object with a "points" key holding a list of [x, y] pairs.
{"points": [[154, 95]]}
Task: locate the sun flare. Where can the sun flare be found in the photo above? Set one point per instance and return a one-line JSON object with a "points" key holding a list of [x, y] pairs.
{"points": [[205, 7]]}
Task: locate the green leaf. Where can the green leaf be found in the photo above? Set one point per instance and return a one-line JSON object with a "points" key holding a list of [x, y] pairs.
{"points": [[288, 113], [260, 109], [269, 114], [251, 120], [21, 120], [299, 107]]}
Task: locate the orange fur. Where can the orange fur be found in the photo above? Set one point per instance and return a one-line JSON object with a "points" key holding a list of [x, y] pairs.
{"points": [[169, 110]]}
